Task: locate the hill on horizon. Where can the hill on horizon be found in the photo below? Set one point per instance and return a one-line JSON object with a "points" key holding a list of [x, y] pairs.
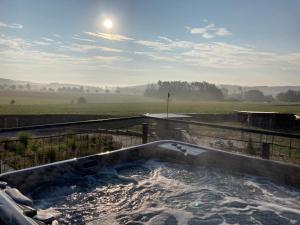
{"points": [[140, 89]]}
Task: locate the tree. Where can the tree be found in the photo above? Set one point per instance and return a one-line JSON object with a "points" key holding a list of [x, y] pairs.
{"points": [[28, 87], [13, 87], [225, 91], [118, 90], [289, 96], [12, 102], [269, 98], [81, 100], [81, 88], [254, 96], [185, 90], [24, 137]]}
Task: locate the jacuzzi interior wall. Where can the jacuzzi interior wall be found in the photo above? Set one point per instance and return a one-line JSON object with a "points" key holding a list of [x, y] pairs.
{"points": [[26, 180], [278, 172]]}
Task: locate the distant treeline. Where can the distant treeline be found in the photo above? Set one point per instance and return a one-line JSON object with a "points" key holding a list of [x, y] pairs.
{"points": [[207, 91], [289, 96], [258, 96], [184, 90]]}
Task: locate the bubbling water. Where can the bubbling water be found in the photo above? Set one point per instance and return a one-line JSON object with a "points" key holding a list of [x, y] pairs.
{"points": [[156, 193]]}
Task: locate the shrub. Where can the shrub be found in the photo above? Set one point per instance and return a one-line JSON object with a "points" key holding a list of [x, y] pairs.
{"points": [[250, 149], [40, 155], [20, 148], [24, 137], [51, 155], [33, 146], [81, 100]]}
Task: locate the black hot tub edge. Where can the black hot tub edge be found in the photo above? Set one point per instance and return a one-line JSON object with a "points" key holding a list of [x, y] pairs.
{"points": [[169, 150]]}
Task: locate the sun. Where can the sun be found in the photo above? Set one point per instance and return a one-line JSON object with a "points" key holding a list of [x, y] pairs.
{"points": [[108, 24]]}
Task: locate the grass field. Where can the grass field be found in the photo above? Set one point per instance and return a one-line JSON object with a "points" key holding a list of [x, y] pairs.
{"points": [[118, 104]]}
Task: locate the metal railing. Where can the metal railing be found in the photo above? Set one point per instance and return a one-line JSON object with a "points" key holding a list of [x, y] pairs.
{"points": [[267, 144], [76, 139], [67, 140]]}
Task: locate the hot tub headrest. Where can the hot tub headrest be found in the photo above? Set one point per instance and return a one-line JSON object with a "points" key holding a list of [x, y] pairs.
{"points": [[18, 197]]}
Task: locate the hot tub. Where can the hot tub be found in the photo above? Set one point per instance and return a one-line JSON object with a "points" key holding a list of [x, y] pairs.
{"points": [[164, 182]]}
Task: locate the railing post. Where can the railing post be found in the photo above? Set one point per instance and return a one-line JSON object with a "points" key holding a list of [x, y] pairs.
{"points": [[290, 148], [265, 150], [145, 133]]}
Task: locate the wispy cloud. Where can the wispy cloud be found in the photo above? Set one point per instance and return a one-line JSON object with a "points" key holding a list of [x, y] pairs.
{"points": [[42, 43], [154, 44], [77, 37], [222, 32], [47, 39], [21, 52], [13, 43], [217, 55], [162, 50], [112, 37], [86, 48], [210, 31], [111, 59], [56, 35], [158, 56], [11, 25], [165, 44]]}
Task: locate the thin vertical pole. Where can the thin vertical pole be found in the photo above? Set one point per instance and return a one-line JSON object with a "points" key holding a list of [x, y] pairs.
{"points": [[168, 100], [290, 148], [145, 133]]}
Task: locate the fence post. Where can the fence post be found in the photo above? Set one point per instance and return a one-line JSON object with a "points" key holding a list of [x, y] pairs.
{"points": [[265, 150], [290, 148], [145, 133]]}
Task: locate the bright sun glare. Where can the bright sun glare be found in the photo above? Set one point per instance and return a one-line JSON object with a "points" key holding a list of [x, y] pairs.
{"points": [[108, 23]]}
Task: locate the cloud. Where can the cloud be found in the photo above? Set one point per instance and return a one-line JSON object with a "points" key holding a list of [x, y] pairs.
{"points": [[111, 37], [56, 35], [13, 43], [86, 48], [154, 44], [207, 35], [42, 43], [111, 59], [165, 44], [21, 52], [47, 39], [12, 25], [158, 56], [77, 37], [212, 55], [216, 55], [210, 31], [222, 32]]}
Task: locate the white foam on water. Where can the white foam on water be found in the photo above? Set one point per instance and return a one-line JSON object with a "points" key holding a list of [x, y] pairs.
{"points": [[151, 191]]}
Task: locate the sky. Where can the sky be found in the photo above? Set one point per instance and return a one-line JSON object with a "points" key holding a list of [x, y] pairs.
{"points": [[240, 42]]}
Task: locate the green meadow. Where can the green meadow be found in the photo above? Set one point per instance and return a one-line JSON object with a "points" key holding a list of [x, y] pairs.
{"points": [[118, 104]]}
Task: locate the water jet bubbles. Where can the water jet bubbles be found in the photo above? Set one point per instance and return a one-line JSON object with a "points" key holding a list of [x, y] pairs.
{"points": [[196, 204]]}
